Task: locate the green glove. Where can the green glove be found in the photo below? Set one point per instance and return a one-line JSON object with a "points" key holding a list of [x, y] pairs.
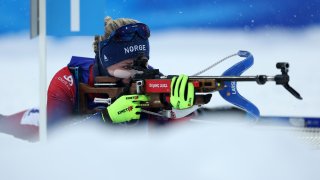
{"points": [[182, 92], [126, 108]]}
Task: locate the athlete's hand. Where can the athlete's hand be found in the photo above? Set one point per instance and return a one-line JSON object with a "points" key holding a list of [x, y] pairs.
{"points": [[182, 92], [126, 108]]}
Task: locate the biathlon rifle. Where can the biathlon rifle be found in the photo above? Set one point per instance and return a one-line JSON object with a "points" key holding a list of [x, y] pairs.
{"points": [[151, 82]]}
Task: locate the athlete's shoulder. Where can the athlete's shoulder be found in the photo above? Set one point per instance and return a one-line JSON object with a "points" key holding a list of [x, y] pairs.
{"points": [[82, 62], [65, 76], [82, 65]]}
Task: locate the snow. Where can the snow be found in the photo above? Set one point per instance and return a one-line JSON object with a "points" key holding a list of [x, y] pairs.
{"points": [[184, 151], [187, 150]]}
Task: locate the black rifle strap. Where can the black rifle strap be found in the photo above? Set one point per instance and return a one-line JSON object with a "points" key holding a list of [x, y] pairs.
{"points": [[76, 73]]}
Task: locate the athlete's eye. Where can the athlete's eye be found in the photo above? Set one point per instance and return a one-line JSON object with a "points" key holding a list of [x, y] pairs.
{"points": [[128, 67]]}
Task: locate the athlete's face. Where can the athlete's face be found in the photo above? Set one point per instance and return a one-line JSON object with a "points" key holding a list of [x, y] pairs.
{"points": [[122, 70]]}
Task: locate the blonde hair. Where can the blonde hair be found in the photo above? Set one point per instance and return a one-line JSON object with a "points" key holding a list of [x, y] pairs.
{"points": [[111, 25]]}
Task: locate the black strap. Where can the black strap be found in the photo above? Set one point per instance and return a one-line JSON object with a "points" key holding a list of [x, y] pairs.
{"points": [[76, 73]]}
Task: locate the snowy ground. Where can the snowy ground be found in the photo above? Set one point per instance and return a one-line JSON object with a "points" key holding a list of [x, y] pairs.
{"points": [[186, 151], [189, 151]]}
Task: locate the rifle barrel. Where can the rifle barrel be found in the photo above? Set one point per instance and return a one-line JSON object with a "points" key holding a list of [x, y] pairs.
{"points": [[260, 79]]}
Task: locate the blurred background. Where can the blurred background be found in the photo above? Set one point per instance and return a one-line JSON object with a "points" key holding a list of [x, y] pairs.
{"points": [[166, 15], [186, 37]]}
